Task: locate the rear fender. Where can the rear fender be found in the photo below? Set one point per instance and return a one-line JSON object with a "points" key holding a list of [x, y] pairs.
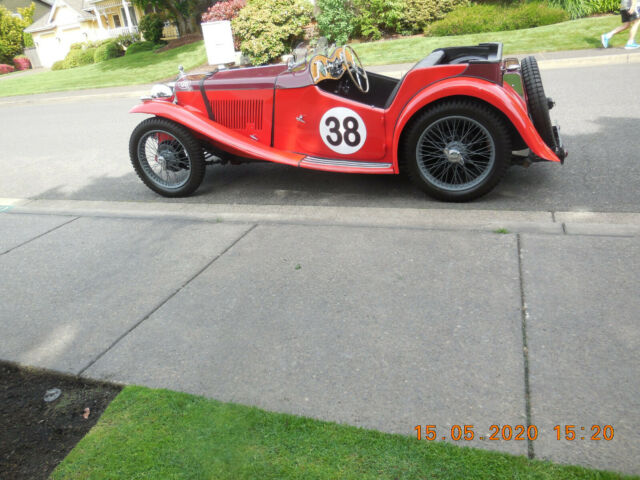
{"points": [[503, 98], [219, 135]]}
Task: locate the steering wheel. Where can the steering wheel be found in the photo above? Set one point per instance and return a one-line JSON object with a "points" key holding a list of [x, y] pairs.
{"points": [[353, 65]]}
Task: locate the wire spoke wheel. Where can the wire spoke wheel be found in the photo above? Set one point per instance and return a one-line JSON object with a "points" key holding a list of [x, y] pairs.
{"points": [[166, 157], [455, 153]]}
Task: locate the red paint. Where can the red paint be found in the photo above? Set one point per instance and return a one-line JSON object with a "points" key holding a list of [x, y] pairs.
{"points": [[222, 137], [275, 115]]}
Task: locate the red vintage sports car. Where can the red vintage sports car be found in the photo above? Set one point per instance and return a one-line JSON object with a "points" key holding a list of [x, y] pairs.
{"points": [[452, 123]]}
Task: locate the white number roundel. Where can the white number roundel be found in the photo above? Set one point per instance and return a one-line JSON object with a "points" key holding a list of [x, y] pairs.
{"points": [[342, 130]]}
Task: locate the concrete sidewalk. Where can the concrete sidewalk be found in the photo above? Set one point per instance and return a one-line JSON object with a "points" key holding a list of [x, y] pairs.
{"points": [[381, 318]]}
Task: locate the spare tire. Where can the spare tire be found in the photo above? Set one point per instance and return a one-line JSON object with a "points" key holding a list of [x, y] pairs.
{"points": [[537, 100]]}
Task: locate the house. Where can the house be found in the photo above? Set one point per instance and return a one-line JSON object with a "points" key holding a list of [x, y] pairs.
{"points": [[73, 21], [42, 6]]}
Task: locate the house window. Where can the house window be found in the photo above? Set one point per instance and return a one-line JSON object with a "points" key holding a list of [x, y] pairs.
{"points": [[116, 21], [132, 12]]}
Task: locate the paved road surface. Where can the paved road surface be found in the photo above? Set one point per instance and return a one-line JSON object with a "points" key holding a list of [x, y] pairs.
{"points": [[79, 150]]}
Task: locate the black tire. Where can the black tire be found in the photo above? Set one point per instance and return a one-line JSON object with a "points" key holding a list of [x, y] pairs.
{"points": [[537, 100], [477, 149], [185, 159]]}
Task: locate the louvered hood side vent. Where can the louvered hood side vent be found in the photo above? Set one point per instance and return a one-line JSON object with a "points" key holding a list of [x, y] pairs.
{"points": [[238, 114]]}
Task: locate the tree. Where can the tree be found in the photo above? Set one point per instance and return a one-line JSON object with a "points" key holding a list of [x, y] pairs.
{"points": [[11, 35], [186, 13]]}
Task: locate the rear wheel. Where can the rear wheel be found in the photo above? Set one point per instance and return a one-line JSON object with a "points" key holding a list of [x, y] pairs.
{"points": [[166, 157], [456, 151], [537, 100]]}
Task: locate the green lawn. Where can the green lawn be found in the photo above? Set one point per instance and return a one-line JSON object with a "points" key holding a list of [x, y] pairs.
{"points": [[140, 68], [160, 434], [573, 35], [148, 67]]}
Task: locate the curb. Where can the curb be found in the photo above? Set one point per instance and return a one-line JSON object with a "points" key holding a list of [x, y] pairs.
{"points": [[622, 59], [507, 221]]}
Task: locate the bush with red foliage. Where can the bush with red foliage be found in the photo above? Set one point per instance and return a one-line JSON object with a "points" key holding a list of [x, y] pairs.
{"points": [[4, 68], [22, 63], [225, 10]]}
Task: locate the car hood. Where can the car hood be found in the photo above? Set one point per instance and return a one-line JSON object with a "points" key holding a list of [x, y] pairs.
{"points": [[241, 78]]}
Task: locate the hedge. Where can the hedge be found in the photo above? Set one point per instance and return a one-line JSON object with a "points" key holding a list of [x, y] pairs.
{"points": [[138, 47], [107, 51], [479, 18]]}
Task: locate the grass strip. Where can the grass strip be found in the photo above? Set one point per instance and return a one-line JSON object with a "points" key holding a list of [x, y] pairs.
{"points": [[135, 69], [146, 433], [572, 35]]}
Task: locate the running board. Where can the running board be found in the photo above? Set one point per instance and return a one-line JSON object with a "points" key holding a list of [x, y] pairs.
{"points": [[347, 166]]}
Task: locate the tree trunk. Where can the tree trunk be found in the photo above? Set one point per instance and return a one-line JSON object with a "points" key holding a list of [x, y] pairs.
{"points": [[195, 23], [180, 20]]}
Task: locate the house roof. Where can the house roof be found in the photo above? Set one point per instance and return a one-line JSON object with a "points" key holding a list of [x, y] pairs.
{"points": [[45, 23], [39, 24]]}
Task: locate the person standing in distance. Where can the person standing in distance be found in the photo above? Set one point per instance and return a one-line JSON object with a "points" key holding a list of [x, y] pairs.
{"points": [[630, 19]]}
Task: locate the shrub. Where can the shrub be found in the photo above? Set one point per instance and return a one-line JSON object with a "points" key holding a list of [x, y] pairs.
{"points": [[27, 39], [107, 51], [140, 47], [73, 58], [88, 56], [77, 57], [420, 13], [127, 39], [4, 68], [480, 18], [225, 10], [11, 35], [375, 17], [335, 20], [583, 8], [268, 28], [604, 6], [22, 63], [151, 26]]}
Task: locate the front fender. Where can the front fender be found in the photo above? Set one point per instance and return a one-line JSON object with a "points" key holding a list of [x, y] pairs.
{"points": [[503, 98], [221, 136]]}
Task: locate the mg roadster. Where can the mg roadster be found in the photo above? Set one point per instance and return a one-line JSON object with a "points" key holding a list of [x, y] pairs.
{"points": [[454, 123]]}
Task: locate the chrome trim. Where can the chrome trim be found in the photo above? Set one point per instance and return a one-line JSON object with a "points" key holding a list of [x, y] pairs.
{"points": [[343, 163]]}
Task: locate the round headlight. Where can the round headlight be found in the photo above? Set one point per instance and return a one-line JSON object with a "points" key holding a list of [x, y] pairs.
{"points": [[161, 90]]}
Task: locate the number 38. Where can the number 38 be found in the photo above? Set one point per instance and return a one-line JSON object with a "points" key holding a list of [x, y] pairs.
{"points": [[350, 127], [343, 130]]}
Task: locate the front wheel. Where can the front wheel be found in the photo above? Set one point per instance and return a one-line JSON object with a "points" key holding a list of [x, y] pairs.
{"points": [[456, 151], [166, 157]]}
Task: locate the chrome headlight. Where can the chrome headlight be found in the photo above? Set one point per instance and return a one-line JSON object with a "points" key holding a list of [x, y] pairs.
{"points": [[161, 90]]}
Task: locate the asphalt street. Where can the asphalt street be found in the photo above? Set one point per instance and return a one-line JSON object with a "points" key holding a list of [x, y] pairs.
{"points": [[78, 150]]}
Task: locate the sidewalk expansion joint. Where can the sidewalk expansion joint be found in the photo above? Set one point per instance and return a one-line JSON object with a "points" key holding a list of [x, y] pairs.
{"points": [[525, 348], [39, 236], [164, 302], [564, 228]]}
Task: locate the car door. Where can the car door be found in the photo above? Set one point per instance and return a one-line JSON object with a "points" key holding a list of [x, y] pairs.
{"points": [[313, 122]]}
